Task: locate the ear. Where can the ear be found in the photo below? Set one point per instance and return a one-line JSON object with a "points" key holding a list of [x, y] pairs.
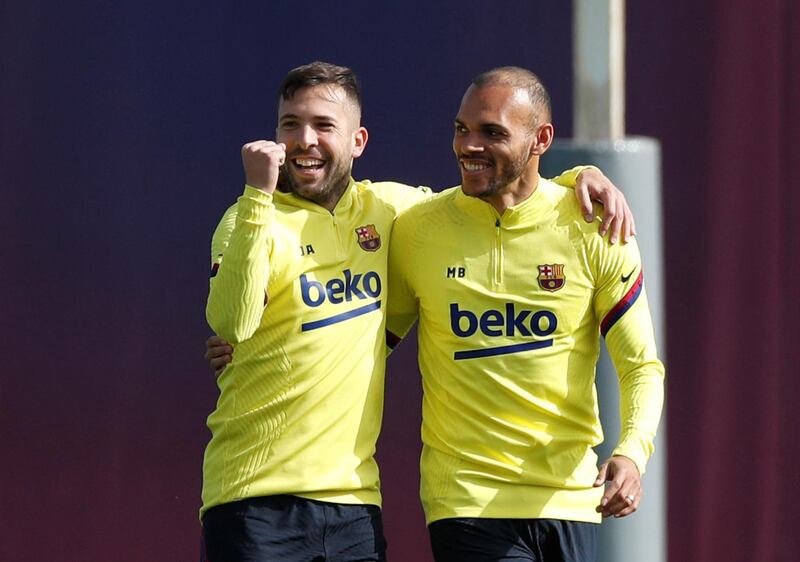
{"points": [[360, 137], [542, 139]]}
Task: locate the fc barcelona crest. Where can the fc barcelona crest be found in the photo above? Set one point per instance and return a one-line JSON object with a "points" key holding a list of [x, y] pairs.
{"points": [[551, 276], [368, 237]]}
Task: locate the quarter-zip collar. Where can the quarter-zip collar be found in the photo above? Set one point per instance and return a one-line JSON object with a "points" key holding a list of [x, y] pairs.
{"points": [[522, 214]]}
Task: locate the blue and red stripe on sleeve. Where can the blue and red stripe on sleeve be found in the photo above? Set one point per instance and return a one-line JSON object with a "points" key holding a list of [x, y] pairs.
{"points": [[623, 305]]}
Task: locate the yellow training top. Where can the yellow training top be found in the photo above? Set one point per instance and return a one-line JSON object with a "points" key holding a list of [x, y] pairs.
{"points": [[511, 309], [301, 293]]}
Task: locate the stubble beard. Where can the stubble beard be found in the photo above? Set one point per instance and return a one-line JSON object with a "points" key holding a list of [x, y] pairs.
{"points": [[331, 190], [511, 174]]}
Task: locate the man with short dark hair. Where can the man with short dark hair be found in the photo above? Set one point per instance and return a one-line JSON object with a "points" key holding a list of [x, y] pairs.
{"points": [[289, 472], [513, 289], [298, 287]]}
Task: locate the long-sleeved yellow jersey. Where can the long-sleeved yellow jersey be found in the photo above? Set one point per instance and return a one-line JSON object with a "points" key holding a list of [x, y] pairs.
{"points": [[301, 293], [511, 309]]}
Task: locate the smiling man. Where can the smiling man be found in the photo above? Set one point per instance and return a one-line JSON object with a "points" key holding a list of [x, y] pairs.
{"points": [[513, 290], [299, 288]]}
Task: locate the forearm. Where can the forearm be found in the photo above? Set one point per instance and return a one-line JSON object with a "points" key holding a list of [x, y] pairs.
{"points": [[641, 402], [631, 344], [237, 295]]}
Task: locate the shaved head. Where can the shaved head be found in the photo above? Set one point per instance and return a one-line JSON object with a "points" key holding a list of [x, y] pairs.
{"points": [[521, 80]]}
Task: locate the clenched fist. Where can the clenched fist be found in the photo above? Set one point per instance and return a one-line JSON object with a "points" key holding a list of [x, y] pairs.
{"points": [[262, 160]]}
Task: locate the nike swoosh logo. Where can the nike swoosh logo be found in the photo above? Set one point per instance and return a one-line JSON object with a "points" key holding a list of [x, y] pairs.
{"points": [[628, 276]]}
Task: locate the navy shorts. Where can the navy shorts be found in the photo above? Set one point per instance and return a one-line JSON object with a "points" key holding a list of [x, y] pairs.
{"points": [[505, 540], [292, 529]]}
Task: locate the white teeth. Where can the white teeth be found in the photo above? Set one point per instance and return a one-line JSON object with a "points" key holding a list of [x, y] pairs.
{"points": [[471, 167], [308, 162]]}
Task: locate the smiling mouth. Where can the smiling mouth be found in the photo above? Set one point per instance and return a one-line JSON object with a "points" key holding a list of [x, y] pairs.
{"points": [[473, 166], [308, 164]]}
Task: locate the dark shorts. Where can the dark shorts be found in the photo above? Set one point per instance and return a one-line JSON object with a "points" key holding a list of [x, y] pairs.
{"points": [[504, 540], [292, 529]]}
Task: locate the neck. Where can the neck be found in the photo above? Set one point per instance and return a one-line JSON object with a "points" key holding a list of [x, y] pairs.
{"points": [[515, 192], [328, 199], [332, 199]]}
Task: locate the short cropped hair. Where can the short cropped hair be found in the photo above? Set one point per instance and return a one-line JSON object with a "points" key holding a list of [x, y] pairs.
{"points": [[516, 77], [320, 73]]}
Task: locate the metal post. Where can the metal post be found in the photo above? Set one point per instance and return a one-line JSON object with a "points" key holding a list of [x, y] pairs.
{"points": [[599, 69], [634, 164]]}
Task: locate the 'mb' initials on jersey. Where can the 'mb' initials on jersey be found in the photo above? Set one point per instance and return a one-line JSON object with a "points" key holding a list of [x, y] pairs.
{"points": [[456, 271]]}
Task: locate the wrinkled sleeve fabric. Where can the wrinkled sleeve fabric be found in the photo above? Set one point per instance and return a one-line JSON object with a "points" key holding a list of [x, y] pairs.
{"points": [[240, 254], [625, 322]]}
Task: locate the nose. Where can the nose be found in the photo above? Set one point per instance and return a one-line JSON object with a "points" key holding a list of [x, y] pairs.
{"points": [[307, 137], [468, 143]]}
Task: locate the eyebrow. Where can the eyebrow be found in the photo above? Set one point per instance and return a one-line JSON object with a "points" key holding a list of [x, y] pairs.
{"points": [[313, 118], [484, 126], [496, 126]]}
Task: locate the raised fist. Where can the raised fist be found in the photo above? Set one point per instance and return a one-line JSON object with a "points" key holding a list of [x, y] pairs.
{"points": [[262, 160]]}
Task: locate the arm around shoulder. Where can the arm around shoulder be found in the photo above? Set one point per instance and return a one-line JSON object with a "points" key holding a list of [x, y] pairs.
{"points": [[399, 195]]}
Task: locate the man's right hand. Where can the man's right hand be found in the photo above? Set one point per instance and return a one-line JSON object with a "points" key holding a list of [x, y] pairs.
{"points": [[262, 160], [218, 354]]}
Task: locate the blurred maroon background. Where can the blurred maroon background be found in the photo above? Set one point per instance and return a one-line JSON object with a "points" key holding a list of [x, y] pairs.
{"points": [[119, 150]]}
